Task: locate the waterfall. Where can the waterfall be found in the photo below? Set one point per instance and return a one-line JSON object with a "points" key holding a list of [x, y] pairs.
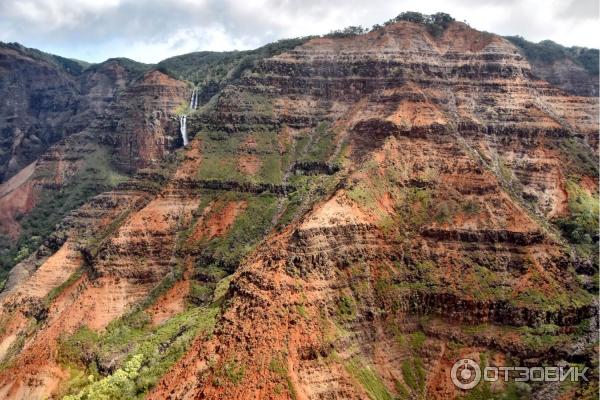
{"points": [[194, 100], [182, 129], [183, 118]]}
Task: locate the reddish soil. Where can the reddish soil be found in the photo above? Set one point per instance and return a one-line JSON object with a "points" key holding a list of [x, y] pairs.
{"points": [[173, 301], [216, 220], [17, 196], [249, 164]]}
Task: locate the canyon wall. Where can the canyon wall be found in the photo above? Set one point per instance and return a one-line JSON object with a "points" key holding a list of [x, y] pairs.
{"points": [[350, 217]]}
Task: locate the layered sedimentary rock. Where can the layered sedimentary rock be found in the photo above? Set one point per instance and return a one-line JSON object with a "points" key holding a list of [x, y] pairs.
{"points": [[350, 218], [440, 213], [129, 124], [140, 125], [46, 98], [38, 101]]}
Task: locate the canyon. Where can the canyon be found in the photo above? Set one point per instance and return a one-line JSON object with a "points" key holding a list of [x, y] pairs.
{"points": [[332, 217]]}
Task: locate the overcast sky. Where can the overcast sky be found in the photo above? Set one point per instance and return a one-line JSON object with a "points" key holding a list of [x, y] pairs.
{"points": [[151, 30]]}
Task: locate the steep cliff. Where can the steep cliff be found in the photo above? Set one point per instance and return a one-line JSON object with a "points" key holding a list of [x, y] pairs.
{"points": [[573, 69], [96, 125], [46, 98], [352, 215]]}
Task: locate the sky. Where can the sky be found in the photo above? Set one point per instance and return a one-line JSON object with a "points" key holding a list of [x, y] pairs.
{"points": [[152, 30]]}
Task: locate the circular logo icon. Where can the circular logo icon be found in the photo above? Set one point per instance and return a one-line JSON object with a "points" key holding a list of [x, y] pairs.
{"points": [[465, 374]]}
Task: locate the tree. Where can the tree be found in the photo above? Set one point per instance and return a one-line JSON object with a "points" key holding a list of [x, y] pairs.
{"points": [[348, 31]]}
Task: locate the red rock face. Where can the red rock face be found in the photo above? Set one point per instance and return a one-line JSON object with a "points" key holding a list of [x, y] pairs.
{"points": [[47, 98], [141, 125], [130, 125], [387, 204], [425, 217]]}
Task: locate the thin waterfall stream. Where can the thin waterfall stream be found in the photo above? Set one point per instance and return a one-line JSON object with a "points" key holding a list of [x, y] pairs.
{"points": [[183, 129], [183, 118]]}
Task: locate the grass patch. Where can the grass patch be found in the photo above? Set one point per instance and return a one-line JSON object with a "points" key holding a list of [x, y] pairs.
{"points": [[54, 293], [128, 339], [414, 375], [97, 354], [230, 372], [96, 175], [322, 146], [278, 366], [346, 307], [417, 339], [368, 379], [246, 232]]}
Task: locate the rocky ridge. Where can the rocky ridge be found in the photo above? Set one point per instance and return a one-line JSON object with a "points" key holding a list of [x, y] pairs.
{"points": [[387, 203]]}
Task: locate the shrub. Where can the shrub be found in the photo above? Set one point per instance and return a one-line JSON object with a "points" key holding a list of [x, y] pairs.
{"points": [[581, 226], [435, 23], [119, 385], [348, 31], [346, 307]]}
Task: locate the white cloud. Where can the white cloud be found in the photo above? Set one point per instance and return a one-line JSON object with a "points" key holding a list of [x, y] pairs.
{"points": [[152, 30]]}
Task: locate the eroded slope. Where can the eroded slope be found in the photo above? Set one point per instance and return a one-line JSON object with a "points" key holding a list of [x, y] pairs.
{"points": [[350, 218]]}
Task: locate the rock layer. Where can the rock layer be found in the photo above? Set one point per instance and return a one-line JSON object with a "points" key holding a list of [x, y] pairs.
{"points": [[388, 202]]}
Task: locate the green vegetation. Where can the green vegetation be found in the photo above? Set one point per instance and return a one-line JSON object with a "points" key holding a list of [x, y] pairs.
{"points": [[200, 293], [368, 379], [221, 290], [94, 176], [92, 357], [309, 189], [348, 31], [221, 152], [119, 385], [482, 283], [548, 51], [135, 68], [247, 230], [414, 375], [322, 145], [543, 336], [417, 339], [219, 166], [230, 372], [316, 146], [278, 366], [436, 23], [402, 390], [234, 371], [212, 70], [72, 66], [552, 302], [12, 351], [146, 353], [446, 210], [54, 293], [580, 160], [94, 243], [346, 307], [471, 207], [77, 67], [581, 226], [223, 155]]}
